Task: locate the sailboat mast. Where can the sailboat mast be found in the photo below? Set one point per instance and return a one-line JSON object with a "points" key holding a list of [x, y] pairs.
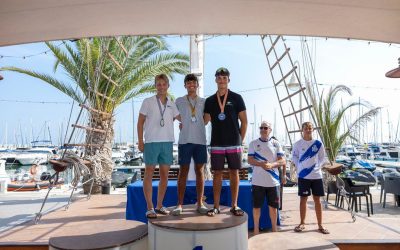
{"points": [[397, 129], [7, 134], [381, 128], [197, 60], [388, 122], [133, 118]]}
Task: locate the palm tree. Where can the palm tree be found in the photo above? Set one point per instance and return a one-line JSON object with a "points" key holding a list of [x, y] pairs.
{"points": [[103, 73], [330, 118]]}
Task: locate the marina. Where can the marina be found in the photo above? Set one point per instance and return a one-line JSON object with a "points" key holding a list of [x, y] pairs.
{"points": [[199, 125]]}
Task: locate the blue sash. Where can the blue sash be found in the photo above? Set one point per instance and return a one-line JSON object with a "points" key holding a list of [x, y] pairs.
{"points": [[310, 152], [271, 172]]}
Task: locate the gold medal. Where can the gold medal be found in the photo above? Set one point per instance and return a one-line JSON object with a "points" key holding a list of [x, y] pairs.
{"points": [[192, 108]]}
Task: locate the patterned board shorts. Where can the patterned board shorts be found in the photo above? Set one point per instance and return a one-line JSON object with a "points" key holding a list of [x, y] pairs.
{"points": [[232, 154]]}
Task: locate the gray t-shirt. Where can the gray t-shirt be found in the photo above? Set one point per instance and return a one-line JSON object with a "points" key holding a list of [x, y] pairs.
{"points": [[191, 132]]}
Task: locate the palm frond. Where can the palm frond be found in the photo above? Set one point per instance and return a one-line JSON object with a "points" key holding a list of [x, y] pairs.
{"points": [[63, 87], [330, 118]]}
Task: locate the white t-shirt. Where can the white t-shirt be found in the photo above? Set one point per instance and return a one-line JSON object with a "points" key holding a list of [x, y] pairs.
{"points": [[309, 156], [153, 131], [265, 151]]}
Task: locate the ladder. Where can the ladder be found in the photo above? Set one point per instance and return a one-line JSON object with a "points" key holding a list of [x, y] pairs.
{"points": [[281, 66]]}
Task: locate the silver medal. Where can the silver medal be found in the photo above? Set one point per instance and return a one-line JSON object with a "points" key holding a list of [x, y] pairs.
{"points": [[221, 116]]}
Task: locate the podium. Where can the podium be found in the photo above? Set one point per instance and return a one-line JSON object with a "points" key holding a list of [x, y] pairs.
{"points": [[192, 230]]}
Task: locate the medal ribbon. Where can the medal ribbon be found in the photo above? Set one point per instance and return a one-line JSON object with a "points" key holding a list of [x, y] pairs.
{"points": [[222, 105], [192, 107], [159, 107]]}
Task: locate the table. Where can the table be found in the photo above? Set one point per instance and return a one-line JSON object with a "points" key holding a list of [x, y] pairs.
{"points": [[136, 205]]}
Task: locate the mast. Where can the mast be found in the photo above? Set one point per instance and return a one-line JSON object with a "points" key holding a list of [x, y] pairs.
{"points": [[388, 122], [7, 134], [197, 60], [381, 128], [133, 118], [197, 67]]}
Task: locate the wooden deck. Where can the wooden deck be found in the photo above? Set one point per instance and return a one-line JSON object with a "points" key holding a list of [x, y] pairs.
{"points": [[101, 220], [379, 231], [105, 215]]}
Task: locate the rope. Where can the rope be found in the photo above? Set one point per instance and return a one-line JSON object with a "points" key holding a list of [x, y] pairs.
{"points": [[78, 166]]}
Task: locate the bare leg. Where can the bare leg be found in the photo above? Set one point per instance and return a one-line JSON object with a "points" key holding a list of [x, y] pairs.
{"points": [[217, 186], [256, 219], [234, 181], [162, 186], [199, 183], [303, 209], [273, 215], [147, 185], [318, 210], [182, 177]]}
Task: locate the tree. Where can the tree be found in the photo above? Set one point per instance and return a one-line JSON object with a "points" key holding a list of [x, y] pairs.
{"points": [[330, 118], [103, 73]]}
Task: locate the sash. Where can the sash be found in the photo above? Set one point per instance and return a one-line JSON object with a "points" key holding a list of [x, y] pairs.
{"points": [[271, 172], [310, 152]]}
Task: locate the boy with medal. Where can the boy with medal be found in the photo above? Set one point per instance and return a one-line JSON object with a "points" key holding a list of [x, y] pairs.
{"points": [[224, 109], [192, 142], [156, 120]]}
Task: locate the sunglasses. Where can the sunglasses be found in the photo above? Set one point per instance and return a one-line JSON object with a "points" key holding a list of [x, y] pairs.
{"points": [[264, 128]]}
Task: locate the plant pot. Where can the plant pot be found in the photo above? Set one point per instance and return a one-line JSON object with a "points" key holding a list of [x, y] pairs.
{"points": [[106, 189]]}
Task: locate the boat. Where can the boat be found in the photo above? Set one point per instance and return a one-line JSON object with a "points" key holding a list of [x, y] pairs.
{"points": [[350, 151], [123, 175], [28, 156], [117, 155], [19, 186], [343, 159], [14, 186], [363, 164], [386, 152]]}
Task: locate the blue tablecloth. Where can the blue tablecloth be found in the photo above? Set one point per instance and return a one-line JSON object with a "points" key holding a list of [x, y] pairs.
{"points": [[136, 204]]}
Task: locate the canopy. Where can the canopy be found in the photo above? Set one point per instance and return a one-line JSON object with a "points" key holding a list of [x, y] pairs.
{"points": [[25, 21]]}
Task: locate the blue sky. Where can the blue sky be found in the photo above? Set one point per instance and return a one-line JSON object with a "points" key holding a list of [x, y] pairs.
{"points": [[358, 64]]}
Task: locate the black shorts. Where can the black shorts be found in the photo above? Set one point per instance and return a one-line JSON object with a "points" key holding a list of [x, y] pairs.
{"points": [[308, 185], [260, 193]]}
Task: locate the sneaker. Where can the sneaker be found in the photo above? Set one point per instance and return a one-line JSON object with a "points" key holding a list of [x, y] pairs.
{"points": [[202, 209], [177, 211]]}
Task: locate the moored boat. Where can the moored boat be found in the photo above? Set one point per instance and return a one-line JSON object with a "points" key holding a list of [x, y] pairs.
{"points": [[18, 186]]}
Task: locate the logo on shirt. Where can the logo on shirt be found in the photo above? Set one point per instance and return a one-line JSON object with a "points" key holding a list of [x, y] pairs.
{"points": [[314, 148]]}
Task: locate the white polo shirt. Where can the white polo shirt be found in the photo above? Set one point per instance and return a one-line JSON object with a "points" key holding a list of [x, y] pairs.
{"points": [[308, 156], [153, 131], [268, 150]]}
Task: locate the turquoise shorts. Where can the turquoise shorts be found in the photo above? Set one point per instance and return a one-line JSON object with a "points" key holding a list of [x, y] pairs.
{"points": [[156, 153]]}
